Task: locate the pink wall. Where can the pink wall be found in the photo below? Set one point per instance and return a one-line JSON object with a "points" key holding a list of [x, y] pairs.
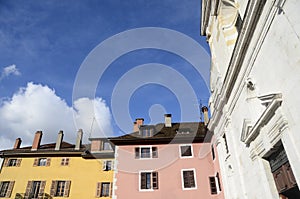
{"points": [[169, 166]]}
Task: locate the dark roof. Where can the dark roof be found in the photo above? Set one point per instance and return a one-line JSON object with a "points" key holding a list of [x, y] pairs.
{"points": [[185, 132], [45, 149]]}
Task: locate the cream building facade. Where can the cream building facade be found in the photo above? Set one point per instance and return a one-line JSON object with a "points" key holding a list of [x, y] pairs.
{"points": [[255, 77]]}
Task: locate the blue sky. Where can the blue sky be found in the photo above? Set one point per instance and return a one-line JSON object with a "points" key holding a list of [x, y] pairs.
{"points": [[43, 44]]}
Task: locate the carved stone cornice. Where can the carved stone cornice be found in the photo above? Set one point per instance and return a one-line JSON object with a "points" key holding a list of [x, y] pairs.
{"points": [[264, 118]]}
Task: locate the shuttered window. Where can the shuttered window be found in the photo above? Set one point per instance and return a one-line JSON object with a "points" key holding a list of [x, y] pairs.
{"points": [[35, 189], [148, 180], [213, 185], [104, 189], [42, 162], [60, 188], [189, 179], [12, 162], [146, 152], [6, 188]]}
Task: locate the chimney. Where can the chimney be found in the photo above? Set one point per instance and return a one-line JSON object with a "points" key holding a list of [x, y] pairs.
{"points": [[168, 120], [17, 143], [205, 113], [36, 141], [79, 139], [138, 122], [59, 140]]}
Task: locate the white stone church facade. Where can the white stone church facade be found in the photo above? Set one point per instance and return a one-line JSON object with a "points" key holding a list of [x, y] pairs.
{"points": [[255, 95]]}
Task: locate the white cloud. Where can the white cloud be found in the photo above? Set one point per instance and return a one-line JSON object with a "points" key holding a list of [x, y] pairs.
{"points": [[37, 107], [10, 70]]}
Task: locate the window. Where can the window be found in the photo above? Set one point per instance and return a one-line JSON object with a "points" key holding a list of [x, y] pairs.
{"points": [[60, 188], [6, 188], [146, 152], [186, 151], [225, 142], [65, 161], [148, 180], [35, 189], [239, 23], [213, 152], [107, 165], [215, 185], [3, 188], [12, 162], [183, 131], [41, 162], [105, 146], [147, 132], [104, 189], [188, 179]]}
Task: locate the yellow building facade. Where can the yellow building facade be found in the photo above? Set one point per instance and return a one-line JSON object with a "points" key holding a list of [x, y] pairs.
{"points": [[57, 170]]}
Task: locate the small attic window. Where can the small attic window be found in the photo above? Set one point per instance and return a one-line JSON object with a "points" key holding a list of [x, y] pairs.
{"points": [[183, 131], [147, 132]]}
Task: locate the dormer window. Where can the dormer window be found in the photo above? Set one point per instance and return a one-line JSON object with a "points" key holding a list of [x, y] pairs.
{"points": [[185, 131], [106, 146], [146, 132]]}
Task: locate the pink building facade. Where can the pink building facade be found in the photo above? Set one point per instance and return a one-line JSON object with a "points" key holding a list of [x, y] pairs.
{"points": [[168, 160]]}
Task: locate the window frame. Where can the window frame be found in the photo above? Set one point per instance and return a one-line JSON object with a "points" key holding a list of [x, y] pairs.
{"points": [[60, 188], [147, 132], [152, 153], [42, 162], [12, 162], [180, 151], [3, 190], [217, 184], [194, 176], [57, 191], [35, 189], [105, 165], [151, 172], [106, 189], [65, 161]]}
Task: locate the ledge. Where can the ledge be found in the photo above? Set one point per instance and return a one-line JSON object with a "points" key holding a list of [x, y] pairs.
{"points": [[264, 118]]}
